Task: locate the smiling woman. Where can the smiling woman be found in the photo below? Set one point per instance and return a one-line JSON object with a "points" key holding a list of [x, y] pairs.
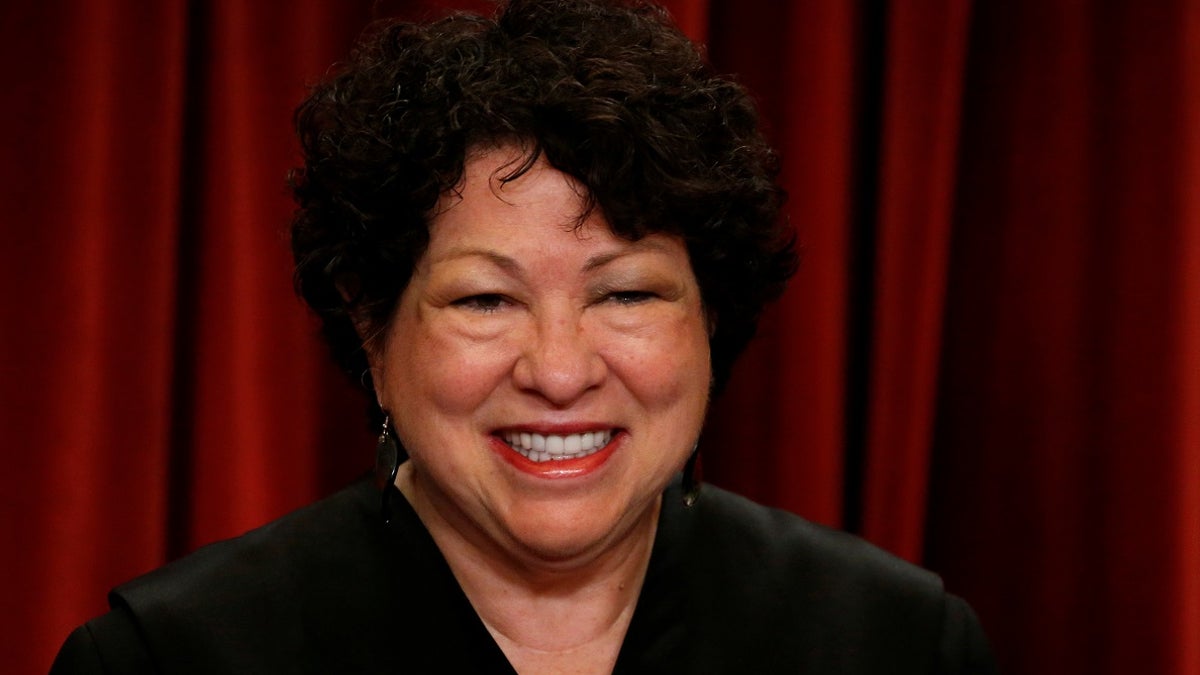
{"points": [[551, 329], [541, 240]]}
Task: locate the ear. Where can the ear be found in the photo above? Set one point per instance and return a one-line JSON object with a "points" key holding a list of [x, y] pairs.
{"points": [[369, 336], [348, 290], [710, 317], [373, 350], [372, 339]]}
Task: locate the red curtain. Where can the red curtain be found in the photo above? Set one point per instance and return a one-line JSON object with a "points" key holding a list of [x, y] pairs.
{"points": [[989, 361]]}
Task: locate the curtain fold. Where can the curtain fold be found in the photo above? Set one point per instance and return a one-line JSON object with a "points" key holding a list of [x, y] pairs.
{"points": [[246, 424], [925, 63], [1066, 431], [778, 432], [989, 360], [86, 321], [1186, 563]]}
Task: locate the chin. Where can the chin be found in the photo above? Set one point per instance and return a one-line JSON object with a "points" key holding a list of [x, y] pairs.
{"points": [[559, 550], [564, 537]]}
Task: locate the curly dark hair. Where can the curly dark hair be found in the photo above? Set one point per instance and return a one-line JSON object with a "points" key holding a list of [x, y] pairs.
{"points": [[610, 93]]}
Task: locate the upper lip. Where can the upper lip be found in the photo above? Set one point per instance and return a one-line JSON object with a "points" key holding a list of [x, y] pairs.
{"points": [[555, 429]]}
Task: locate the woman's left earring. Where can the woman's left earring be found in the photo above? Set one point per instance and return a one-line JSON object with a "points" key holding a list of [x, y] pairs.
{"points": [[387, 465], [691, 484]]}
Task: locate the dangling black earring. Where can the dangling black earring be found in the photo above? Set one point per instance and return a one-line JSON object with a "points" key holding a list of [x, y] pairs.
{"points": [[691, 486], [387, 465]]}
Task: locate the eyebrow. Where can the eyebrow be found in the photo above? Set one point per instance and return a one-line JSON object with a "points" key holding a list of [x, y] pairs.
{"points": [[496, 258], [511, 265], [601, 259]]}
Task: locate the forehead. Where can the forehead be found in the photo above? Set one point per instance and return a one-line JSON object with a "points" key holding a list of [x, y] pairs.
{"points": [[538, 218], [504, 176], [490, 203]]}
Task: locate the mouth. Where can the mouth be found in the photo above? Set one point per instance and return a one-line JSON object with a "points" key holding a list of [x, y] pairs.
{"points": [[555, 447]]}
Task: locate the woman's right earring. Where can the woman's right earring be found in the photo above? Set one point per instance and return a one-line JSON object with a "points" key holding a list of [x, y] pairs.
{"points": [[387, 465]]}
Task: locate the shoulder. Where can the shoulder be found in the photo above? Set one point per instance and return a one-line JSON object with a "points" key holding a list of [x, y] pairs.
{"points": [[797, 594], [107, 644], [259, 565], [251, 604], [786, 551]]}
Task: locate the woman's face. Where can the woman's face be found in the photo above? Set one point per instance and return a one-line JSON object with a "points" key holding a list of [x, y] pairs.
{"points": [[546, 381]]}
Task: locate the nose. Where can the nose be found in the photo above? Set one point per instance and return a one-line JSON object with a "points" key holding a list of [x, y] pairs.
{"points": [[559, 362]]}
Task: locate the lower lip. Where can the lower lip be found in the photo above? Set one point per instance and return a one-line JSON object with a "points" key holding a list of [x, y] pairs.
{"points": [[555, 469]]}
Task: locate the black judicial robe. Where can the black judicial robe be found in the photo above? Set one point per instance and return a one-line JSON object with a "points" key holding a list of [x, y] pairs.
{"points": [[732, 587]]}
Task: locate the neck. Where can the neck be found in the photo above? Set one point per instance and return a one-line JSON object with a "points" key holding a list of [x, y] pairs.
{"points": [[538, 609]]}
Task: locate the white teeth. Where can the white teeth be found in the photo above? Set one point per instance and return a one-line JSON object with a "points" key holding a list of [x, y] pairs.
{"points": [[541, 448]]}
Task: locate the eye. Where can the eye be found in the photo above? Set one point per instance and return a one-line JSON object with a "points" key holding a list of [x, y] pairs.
{"points": [[485, 303], [630, 297]]}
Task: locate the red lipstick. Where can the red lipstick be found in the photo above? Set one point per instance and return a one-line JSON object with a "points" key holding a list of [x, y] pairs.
{"points": [[555, 468]]}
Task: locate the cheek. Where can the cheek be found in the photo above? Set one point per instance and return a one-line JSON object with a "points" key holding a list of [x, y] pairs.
{"points": [[432, 372], [667, 368]]}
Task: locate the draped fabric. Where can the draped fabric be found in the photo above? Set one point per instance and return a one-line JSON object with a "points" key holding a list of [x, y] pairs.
{"points": [[989, 361]]}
